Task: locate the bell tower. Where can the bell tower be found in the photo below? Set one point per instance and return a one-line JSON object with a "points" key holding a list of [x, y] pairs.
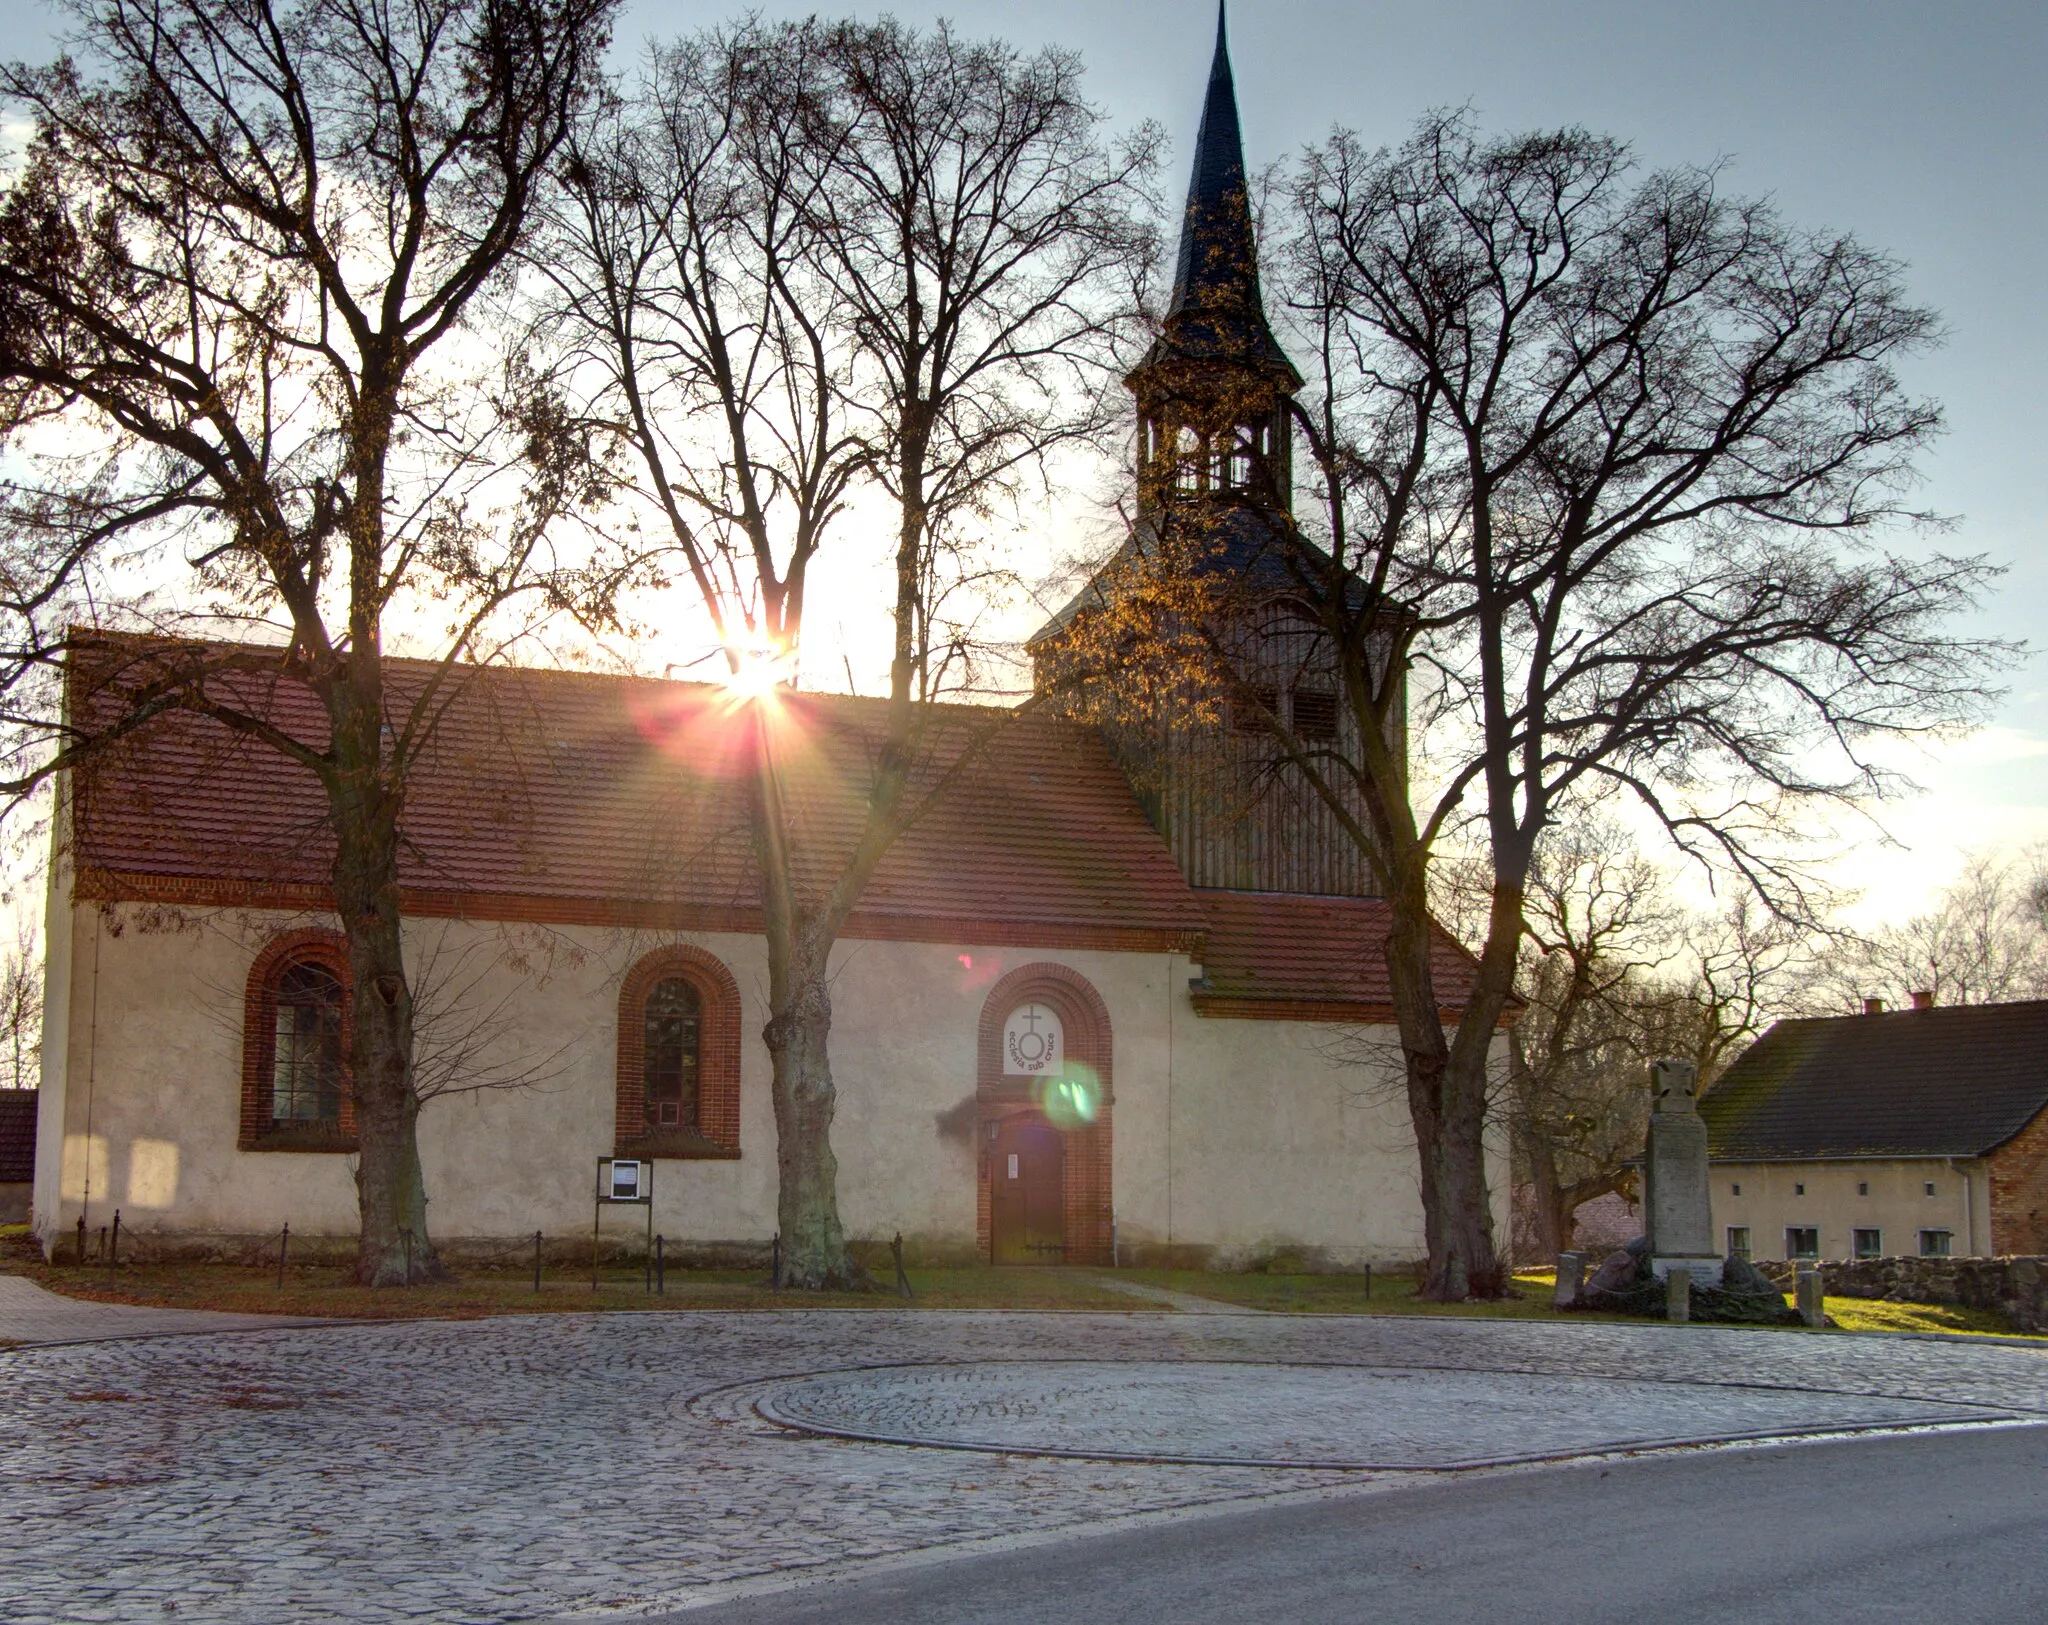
{"points": [[1215, 508], [1212, 391]]}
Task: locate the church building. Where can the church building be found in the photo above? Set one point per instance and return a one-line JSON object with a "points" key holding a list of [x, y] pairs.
{"points": [[1095, 1007]]}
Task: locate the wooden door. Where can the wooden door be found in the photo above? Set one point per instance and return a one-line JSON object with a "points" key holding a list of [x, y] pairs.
{"points": [[1027, 1172]]}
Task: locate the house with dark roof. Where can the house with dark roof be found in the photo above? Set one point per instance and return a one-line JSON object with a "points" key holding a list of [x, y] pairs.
{"points": [[1920, 1131], [1073, 1019]]}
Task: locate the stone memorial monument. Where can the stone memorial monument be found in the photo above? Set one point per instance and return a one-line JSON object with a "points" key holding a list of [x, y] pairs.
{"points": [[1676, 1210]]}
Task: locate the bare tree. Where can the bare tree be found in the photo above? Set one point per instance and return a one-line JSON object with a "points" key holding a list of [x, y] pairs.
{"points": [[1984, 941], [248, 274], [1596, 458], [803, 264], [1615, 976], [1591, 435], [21, 1013]]}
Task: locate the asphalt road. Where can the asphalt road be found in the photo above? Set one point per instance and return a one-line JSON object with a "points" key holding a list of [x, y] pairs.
{"points": [[1939, 1529]]}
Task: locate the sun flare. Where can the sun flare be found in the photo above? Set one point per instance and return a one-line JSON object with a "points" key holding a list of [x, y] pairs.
{"points": [[754, 672]]}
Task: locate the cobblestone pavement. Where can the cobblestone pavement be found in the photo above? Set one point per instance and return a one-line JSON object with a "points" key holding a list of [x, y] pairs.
{"points": [[29, 1314], [524, 1468], [1238, 1414]]}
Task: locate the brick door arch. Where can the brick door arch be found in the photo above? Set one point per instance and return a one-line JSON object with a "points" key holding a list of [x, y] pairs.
{"points": [[1088, 1211]]}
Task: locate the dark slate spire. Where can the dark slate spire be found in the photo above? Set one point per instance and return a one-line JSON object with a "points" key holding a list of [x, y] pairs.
{"points": [[1216, 313]]}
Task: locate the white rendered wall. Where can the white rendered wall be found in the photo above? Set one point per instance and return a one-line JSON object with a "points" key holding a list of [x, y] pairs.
{"points": [[1244, 1137], [1772, 1200]]}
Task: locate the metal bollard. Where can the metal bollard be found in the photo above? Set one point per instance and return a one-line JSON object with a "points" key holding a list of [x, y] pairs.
{"points": [[81, 1241], [114, 1246], [536, 1261], [902, 1280], [774, 1273], [660, 1268], [284, 1247]]}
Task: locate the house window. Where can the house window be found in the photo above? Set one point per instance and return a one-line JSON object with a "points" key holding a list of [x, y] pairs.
{"points": [[305, 1063], [1802, 1241], [1315, 713], [672, 1056], [1862, 1187], [1798, 1190], [1738, 1241], [295, 1021], [1735, 1189], [1936, 1243], [1867, 1243], [678, 1058], [1929, 1187]]}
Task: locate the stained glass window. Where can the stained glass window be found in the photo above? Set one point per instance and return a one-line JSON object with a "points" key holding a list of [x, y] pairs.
{"points": [[305, 1074], [673, 1050]]}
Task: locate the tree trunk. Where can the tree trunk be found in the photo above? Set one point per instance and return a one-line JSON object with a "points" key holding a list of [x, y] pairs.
{"points": [[1555, 1205], [814, 1255], [1447, 1106], [393, 1248]]}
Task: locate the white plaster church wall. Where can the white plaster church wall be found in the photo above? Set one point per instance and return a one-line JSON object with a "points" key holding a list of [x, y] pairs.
{"points": [[1241, 1137]]}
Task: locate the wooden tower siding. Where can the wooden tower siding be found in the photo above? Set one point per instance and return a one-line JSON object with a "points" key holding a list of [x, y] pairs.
{"points": [[1231, 812]]}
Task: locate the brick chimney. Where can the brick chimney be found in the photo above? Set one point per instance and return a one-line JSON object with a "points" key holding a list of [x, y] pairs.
{"points": [[1924, 999], [1873, 1007]]}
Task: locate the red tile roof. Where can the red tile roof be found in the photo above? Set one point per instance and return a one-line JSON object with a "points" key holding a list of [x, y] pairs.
{"points": [[574, 797], [1293, 953], [545, 790]]}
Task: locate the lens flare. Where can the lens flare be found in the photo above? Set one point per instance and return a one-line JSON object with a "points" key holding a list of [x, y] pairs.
{"points": [[756, 671], [1073, 1099]]}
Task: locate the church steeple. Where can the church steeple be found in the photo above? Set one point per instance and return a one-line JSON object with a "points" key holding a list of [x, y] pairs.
{"points": [[1212, 390]]}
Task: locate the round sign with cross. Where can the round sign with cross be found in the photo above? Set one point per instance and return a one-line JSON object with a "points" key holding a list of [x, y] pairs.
{"points": [[1033, 1042]]}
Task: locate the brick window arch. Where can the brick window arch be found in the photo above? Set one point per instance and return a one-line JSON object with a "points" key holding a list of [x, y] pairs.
{"points": [[678, 1057], [296, 1093], [1086, 1192]]}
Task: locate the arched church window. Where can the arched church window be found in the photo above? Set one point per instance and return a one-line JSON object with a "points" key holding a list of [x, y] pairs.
{"points": [[678, 1057], [305, 1068], [295, 1094], [673, 1055]]}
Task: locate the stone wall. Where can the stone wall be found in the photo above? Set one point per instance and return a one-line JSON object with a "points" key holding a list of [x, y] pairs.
{"points": [[2015, 1287]]}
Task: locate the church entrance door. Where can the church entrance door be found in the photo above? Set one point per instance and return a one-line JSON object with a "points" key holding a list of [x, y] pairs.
{"points": [[1028, 1217]]}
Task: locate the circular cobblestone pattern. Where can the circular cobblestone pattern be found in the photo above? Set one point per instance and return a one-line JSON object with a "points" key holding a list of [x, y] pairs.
{"points": [[1315, 1416]]}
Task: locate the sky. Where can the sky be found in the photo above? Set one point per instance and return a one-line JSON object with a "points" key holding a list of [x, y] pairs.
{"points": [[1919, 127]]}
